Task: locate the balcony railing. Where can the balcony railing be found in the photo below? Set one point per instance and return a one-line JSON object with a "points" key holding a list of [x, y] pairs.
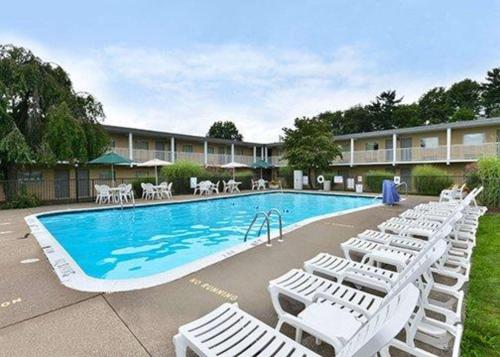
{"points": [[474, 152], [418, 154], [277, 161]]}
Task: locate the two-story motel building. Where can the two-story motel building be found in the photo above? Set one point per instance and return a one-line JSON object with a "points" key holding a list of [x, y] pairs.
{"points": [[450, 146]]}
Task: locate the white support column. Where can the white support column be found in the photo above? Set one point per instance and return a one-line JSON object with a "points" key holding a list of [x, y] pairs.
{"points": [[265, 154], [352, 152], [448, 146], [232, 152], [172, 149], [205, 152], [255, 153], [394, 149], [262, 153], [130, 147]]}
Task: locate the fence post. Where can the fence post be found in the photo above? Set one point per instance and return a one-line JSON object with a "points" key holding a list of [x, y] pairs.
{"points": [[77, 184]]}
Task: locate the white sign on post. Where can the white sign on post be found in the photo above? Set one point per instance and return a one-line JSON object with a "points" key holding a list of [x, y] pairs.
{"points": [[193, 181], [360, 178], [338, 179], [397, 180], [350, 183], [359, 188], [305, 180]]}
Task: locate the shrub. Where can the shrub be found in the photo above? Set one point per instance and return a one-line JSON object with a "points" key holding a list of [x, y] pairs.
{"points": [[471, 175], [136, 185], [374, 179], [22, 199], [489, 176], [430, 180], [182, 169]]}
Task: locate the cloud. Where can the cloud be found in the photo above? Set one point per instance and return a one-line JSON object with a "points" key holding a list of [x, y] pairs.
{"points": [[260, 89]]}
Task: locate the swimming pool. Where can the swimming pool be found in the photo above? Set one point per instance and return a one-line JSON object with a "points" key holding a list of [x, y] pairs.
{"points": [[165, 241]]}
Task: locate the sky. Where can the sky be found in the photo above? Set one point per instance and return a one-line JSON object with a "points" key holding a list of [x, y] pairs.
{"points": [[179, 66]]}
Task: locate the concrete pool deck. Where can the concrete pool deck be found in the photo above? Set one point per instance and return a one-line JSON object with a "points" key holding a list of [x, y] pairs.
{"points": [[41, 317]]}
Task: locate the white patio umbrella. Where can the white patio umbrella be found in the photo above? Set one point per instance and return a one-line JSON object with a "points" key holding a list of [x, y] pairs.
{"points": [[233, 165], [155, 163]]}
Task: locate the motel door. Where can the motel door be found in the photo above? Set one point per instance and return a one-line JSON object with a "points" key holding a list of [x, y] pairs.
{"points": [[61, 184], [406, 149], [388, 150], [83, 183]]}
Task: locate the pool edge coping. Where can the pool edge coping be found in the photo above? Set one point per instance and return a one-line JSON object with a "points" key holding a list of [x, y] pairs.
{"points": [[72, 276]]}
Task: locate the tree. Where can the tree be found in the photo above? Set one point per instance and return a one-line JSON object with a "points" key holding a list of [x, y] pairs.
{"points": [[465, 95], [491, 93], [224, 130], [310, 146], [359, 120], [382, 109], [434, 106], [43, 120], [406, 116]]}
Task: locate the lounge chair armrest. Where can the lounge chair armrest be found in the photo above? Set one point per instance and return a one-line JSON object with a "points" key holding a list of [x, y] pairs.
{"points": [[357, 308]]}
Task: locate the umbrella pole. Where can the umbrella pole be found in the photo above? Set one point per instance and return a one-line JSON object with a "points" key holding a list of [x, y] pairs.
{"points": [[234, 174], [156, 175], [112, 175], [261, 173]]}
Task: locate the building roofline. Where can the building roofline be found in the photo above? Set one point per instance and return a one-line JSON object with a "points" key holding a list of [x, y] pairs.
{"points": [[422, 128], [167, 135]]}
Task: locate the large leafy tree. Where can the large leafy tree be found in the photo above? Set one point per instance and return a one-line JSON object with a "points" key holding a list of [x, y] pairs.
{"points": [[491, 93], [465, 95], [382, 110], [224, 130], [434, 106], [42, 119], [310, 146]]}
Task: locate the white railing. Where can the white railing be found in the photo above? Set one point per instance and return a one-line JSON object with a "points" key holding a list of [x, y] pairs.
{"points": [[345, 159], [372, 156], [474, 152], [277, 161], [243, 159], [199, 158], [421, 154], [121, 151], [141, 155]]}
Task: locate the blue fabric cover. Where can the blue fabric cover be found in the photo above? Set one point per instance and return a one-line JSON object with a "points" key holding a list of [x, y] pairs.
{"points": [[390, 194]]}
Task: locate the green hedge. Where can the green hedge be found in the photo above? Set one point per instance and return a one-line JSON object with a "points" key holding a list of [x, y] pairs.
{"points": [[430, 180], [22, 199], [489, 177], [374, 179]]}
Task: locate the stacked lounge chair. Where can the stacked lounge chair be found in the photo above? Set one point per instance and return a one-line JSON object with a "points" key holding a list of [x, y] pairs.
{"points": [[358, 304]]}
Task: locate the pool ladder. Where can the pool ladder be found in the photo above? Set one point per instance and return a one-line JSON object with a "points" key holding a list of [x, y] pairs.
{"points": [[267, 218]]}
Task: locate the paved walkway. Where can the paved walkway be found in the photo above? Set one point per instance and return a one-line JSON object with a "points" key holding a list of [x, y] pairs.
{"points": [[41, 317]]}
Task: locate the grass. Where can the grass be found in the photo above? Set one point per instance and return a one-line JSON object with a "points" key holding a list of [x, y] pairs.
{"points": [[482, 322]]}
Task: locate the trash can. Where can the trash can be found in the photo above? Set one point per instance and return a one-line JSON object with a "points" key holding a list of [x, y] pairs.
{"points": [[327, 185]]}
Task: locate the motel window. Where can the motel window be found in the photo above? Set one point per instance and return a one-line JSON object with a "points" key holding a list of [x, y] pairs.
{"points": [[474, 139], [187, 148], [238, 151], [371, 146], [141, 144], [430, 142], [31, 175], [211, 150]]}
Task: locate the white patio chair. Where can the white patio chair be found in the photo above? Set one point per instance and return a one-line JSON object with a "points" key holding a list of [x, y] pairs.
{"points": [[225, 187], [215, 187], [150, 192], [126, 193], [261, 184], [163, 190], [169, 190], [103, 194], [255, 184], [205, 188]]}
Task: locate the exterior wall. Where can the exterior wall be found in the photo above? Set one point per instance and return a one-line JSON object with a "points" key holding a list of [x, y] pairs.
{"points": [[457, 136]]}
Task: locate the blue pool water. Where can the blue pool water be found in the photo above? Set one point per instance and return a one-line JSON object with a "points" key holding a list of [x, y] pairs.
{"points": [[135, 243]]}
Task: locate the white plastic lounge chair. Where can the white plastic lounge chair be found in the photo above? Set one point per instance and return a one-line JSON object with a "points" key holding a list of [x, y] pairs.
{"points": [[229, 331], [261, 184]]}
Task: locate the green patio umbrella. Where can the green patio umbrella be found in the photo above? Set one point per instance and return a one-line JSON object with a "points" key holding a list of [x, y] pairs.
{"points": [[261, 164], [111, 158]]}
